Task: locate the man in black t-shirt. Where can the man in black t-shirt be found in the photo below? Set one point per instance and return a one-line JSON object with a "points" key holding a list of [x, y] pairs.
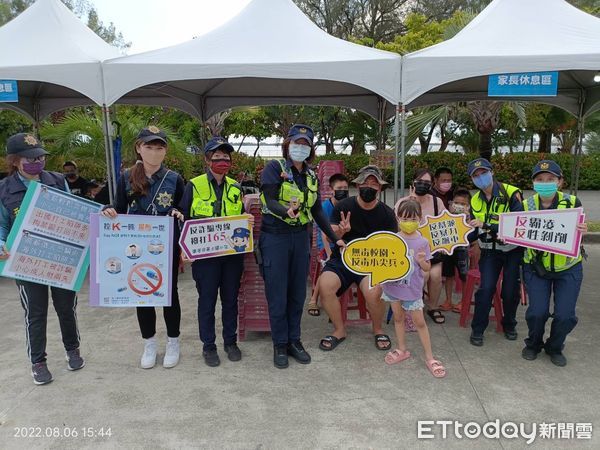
{"points": [[353, 218], [77, 185]]}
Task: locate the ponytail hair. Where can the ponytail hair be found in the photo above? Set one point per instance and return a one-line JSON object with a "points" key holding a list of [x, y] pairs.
{"points": [[137, 174]]}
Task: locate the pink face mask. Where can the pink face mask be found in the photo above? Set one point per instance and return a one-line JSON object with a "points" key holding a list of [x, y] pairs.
{"points": [[445, 187]]}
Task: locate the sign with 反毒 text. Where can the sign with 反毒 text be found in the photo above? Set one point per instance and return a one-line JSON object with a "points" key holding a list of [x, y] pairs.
{"points": [[382, 256], [549, 230]]}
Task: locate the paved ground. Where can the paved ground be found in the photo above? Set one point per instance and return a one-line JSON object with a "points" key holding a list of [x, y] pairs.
{"points": [[345, 399]]}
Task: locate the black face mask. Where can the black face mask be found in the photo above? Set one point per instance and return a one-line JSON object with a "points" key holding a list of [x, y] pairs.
{"points": [[340, 194], [367, 194], [422, 187]]}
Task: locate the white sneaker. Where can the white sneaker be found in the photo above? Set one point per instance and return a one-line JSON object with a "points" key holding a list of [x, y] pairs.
{"points": [[149, 356], [172, 353]]}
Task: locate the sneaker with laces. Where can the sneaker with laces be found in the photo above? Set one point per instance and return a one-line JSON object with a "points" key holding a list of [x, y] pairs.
{"points": [[149, 355], [172, 353], [40, 373], [74, 360]]}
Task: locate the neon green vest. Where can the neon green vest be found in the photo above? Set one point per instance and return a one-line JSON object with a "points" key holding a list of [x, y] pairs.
{"points": [[204, 198], [552, 262], [290, 191], [491, 213]]}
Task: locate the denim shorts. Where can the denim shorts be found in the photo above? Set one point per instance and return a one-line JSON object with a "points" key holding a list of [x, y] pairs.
{"points": [[407, 305]]}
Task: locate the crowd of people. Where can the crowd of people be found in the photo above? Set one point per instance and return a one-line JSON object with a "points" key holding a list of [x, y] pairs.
{"points": [[291, 204]]}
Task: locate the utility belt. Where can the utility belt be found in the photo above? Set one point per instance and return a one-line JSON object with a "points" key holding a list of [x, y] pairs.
{"points": [[283, 230], [489, 242], [540, 270]]}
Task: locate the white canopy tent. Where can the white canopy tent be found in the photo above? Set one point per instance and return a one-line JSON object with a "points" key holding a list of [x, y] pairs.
{"points": [[511, 36], [270, 53]]}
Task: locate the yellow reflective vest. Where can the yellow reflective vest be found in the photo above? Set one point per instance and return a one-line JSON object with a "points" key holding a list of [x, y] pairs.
{"points": [[204, 198], [289, 193], [551, 261]]}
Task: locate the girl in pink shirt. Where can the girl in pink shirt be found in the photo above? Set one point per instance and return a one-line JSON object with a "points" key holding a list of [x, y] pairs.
{"points": [[406, 295]]}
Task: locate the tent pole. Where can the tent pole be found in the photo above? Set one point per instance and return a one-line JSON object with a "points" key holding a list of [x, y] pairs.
{"points": [[579, 147], [397, 150], [108, 148], [403, 150]]}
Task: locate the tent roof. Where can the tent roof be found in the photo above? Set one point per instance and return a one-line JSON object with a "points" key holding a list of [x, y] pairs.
{"points": [[270, 53], [510, 36], [54, 56]]}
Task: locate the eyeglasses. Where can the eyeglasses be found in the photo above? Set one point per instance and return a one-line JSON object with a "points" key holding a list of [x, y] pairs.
{"points": [[41, 158]]}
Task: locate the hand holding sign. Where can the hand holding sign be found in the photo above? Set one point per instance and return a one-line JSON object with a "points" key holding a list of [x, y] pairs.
{"points": [[383, 256]]}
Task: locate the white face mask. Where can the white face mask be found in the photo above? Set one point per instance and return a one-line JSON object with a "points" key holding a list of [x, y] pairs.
{"points": [[299, 152]]}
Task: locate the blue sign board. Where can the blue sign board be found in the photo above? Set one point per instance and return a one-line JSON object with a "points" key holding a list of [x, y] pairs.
{"points": [[9, 92], [530, 84]]}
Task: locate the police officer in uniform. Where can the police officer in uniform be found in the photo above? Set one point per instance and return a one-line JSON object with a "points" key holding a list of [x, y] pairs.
{"points": [[25, 161], [547, 273], [214, 194], [492, 199], [290, 199], [149, 188]]}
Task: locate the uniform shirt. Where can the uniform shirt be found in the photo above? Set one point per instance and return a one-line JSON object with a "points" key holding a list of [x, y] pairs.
{"points": [[363, 222], [514, 204], [5, 215]]}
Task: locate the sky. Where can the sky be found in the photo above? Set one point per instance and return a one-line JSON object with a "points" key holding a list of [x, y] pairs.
{"points": [[152, 24]]}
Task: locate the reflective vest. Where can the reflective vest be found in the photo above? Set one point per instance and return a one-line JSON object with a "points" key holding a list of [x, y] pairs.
{"points": [[551, 261], [289, 191], [204, 198], [489, 212], [160, 198]]}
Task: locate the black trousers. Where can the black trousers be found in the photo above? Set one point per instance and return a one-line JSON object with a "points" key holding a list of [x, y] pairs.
{"points": [[34, 299], [147, 315]]}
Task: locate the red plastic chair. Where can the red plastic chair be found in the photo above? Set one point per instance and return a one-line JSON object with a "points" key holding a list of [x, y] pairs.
{"points": [[353, 300], [473, 280]]}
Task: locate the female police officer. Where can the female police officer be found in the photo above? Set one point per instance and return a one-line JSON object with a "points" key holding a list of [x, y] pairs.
{"points": [[545, 273], [214, 194], [493, 199], [149, 188], [290, 198], [25, 161]]}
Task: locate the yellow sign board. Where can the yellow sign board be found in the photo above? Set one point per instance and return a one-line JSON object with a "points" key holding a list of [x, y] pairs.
{"points": [[383, 256], [446, 232]]}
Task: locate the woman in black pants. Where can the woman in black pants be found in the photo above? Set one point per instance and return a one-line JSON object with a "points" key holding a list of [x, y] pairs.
{"points": [[149, 188]]}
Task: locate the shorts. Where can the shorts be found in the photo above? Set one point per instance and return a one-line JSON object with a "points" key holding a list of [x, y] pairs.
{"points": [[346, 277], [458, 260], [407, 305]]}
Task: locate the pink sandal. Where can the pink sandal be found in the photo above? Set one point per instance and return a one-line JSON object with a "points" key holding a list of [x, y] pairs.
{"points": [[436, 368], [396, 356]]}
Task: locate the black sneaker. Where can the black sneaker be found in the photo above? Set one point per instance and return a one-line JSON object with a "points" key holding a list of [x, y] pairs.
{"points": [[529, 353], [511, 335], [211, 358], [558, 359], [296, 350], [280, 357], [75, 360], [476, 340], [233, 352], [40, 373]]}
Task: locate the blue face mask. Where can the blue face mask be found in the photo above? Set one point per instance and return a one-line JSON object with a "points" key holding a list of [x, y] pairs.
{"points": [[299, 152], [545, 189], [484, 180]]}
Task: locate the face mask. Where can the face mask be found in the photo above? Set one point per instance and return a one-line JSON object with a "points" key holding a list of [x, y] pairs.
{"points": [[71, 176], [545, 189], [444, 187], [367, 194], [340, 194], [422, 187], [409, 227], [459, 209], [299, 152], [483, 181], [220, 166], [34, 168]]}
